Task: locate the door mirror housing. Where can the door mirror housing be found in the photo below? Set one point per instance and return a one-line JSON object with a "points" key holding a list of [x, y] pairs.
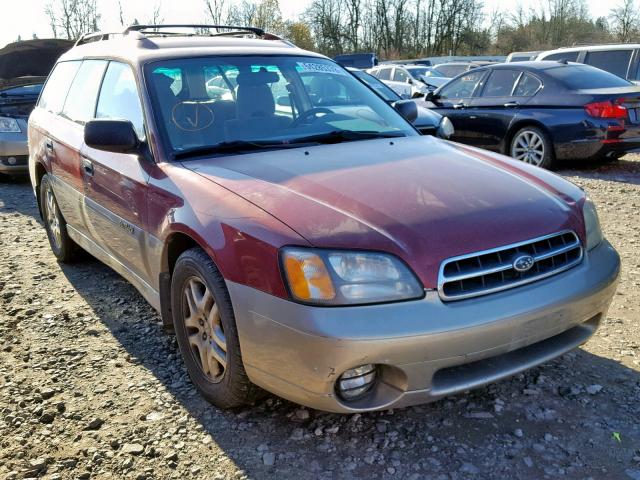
{"points": [[116, 136], [407, 108], [431, 96]]}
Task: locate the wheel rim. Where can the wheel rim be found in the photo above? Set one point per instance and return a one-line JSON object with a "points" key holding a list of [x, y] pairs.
{"points": [[528, 147], [204, 329], [53, 219]]}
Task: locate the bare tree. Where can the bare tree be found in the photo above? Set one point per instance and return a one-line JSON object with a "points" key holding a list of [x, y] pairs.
{"points": [[73, 18], [121, 14], [217, 11], [626, 20], [156, 15]]}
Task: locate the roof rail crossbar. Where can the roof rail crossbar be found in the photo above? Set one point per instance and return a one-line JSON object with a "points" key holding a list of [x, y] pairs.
{"points": [[94, 37], [239, 29]]}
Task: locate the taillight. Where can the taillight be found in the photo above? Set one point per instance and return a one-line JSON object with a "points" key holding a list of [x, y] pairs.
{"points": [[605, 110]]}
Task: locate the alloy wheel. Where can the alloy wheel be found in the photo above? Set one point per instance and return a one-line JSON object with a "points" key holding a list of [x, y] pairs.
{"points": [[204, 329], [528, 147], [53, 217]]}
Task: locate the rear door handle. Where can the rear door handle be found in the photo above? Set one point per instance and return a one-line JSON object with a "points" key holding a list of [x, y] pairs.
{"points": [[87, 166], [511, 105]]}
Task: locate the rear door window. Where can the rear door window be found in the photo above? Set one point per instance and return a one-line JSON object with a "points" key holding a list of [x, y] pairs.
{"points": [[527, 86], [384, 74], [119, 97], [500, 83], [80, 104], [614, 61], [568, 56], [57, 86]]}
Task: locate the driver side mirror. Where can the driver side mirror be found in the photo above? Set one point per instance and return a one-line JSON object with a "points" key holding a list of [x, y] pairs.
{"points": [[431, 96], [116, 136], [407, 108], [410, 81]]}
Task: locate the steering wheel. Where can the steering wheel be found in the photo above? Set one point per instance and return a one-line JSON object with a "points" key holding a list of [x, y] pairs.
{"points": [[311, 115], [192, 115]]}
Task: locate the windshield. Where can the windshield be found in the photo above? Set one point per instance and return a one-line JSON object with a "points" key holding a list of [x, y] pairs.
{"points": [[584, 77], [273, 101], [418, 71], [379, 87], [450, 71]]}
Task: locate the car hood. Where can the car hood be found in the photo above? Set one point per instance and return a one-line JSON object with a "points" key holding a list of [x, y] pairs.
{"points": [[420, 198]]}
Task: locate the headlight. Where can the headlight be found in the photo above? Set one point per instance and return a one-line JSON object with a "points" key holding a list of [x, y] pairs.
{"points": [[592, 225], [9, 125], [445, 129], [328, 277]]}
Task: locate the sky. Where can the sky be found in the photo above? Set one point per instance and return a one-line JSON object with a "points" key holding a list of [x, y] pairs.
{"points": [[25, 17]]}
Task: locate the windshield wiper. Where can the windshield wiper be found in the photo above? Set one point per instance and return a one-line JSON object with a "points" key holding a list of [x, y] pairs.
{"points": [[229, 147], [338, 136]]}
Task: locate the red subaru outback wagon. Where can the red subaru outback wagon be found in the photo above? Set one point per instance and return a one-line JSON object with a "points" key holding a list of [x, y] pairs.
{"points": [[298, 232]]}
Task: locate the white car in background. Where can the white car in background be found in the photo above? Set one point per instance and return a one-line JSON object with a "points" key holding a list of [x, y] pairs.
{"points": [[622, 60], [408, 81]]}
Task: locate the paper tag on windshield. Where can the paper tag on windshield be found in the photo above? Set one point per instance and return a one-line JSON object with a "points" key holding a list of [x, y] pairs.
{"points": [[312, 67]]}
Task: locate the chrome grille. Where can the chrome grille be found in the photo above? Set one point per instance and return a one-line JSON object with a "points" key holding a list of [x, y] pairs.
{"points": [[493, 270]]}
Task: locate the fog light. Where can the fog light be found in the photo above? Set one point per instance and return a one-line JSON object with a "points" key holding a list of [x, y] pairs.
{"points": [[354, 383], [11, 160]]}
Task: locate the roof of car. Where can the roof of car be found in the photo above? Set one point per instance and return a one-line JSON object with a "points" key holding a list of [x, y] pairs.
{"points": [[534, 65], [576, 48], [137, 48]]}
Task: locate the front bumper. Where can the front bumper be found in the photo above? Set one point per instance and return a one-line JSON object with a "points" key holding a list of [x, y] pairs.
{"points": [[426, 349], [14, 153]]}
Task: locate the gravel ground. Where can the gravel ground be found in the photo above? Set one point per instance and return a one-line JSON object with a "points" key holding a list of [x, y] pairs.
{"points": [[91, 387]]}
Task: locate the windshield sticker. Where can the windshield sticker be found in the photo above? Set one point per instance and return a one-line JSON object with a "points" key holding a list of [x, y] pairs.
{"points": [[312, 67]]}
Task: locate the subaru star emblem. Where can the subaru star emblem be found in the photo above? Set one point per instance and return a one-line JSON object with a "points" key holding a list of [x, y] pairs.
{"points": [[523, 263]]}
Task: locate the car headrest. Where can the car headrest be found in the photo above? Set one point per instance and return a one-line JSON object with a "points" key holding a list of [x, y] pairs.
{"points": [[257, 78]]}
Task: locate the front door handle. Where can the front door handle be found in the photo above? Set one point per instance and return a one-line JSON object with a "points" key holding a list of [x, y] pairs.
{"points": [[459, 105], [511, 105], [87, 166]]}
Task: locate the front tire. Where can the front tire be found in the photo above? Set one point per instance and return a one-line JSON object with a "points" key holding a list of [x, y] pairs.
{"points": [[63, 247], [206, 332], [533, 145]]}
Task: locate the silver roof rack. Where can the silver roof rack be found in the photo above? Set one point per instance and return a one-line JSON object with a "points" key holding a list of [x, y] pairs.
{"points": [[140, 32]]}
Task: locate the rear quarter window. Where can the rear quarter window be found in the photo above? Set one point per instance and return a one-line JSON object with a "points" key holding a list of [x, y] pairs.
{"points": [[614, 61], [57, 86], [584, 77]]}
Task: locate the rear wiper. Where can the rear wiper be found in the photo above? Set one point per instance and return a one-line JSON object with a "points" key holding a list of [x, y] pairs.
{"points": [[337, 136], [228, 147]]}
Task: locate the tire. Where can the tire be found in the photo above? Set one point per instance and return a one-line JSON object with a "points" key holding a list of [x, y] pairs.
{"points": [[63, 247], [205, 328], [532, 145]]}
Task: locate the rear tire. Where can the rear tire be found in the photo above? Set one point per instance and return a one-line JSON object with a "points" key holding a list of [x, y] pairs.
{"points": [[63, 247], [532, 145], [206, 331]]}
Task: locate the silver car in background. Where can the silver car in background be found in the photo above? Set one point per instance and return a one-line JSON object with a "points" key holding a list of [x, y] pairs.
{"points": [[24, 67]]}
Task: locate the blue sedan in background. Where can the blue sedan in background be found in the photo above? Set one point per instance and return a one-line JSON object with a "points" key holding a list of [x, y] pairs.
{"points": [[542, 112]]}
